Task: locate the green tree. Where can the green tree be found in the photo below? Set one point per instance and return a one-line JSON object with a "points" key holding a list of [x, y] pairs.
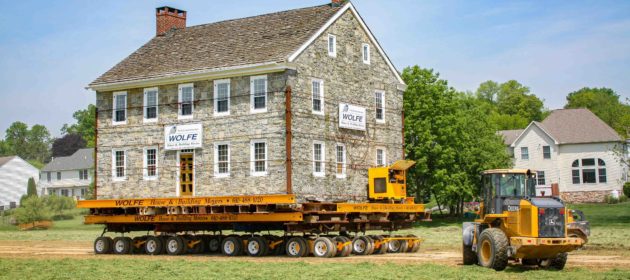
{"points": [[604, 103], [85, 125], [30, 144], [32, 209], [510, 104], [31, 190]]}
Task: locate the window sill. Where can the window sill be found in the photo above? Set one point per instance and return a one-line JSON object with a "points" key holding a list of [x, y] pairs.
{"points": [[187, 117], [380, 121], [319, 174], [152, 178], [150, 120], [222, 114], [259, 174], [220, 176], [119, 123], [257, 111], [333, 55], [319, 113], [341, 176], [115, 179]]}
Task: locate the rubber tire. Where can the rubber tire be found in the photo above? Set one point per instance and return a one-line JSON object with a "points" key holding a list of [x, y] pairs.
{"points": [[383, 248], [302, 250], [125, 242], [214, 243], [468, 255], [368, 245], [529, 262], [392, 248], [263, 246], [328, 245], [498, 259], [346, 250], [558, 262], [238, 246], [137, 250], [103, 245], [177, 240], [415, 246], [159, 245]]}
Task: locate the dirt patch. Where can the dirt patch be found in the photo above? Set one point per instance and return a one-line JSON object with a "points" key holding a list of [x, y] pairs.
{"points": [[81, 249]]}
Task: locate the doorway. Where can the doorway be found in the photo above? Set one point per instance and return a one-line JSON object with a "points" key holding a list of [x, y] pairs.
{"points": [[186, 173]]}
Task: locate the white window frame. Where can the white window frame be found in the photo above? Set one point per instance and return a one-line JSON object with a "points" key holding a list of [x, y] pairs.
{"points": [[365, 53], [253, 158], [384, 156], [251, 94], [145, 105], [114, 177], [216, 160], [114, 108], [145, 163], [343, 161], [382, 93], [524, 149], [321, 96], [179, 102], [216, 99], [332, 53], [321, 173]]}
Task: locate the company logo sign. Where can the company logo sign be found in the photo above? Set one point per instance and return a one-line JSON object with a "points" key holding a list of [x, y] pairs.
{"points": [[351, 117], [178, 137]]}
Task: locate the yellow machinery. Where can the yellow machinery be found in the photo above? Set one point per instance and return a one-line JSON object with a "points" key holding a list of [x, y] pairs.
{"points": [[389, 182], [514, 224]]}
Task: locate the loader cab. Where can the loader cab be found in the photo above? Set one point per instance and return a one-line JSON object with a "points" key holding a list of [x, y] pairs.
{"points": [[506, 187], [389, 182]]}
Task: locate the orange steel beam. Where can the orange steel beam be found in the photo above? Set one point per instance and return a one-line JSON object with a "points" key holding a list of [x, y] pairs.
{"points": [[195, 218], [380, 208], [189, 201]]}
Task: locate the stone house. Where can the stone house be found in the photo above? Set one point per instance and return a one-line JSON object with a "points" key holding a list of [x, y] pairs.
{"points": [[14, 175], [573, 148], [250, 106], [69, 176]]}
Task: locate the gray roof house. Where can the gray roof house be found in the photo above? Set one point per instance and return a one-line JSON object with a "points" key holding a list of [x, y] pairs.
{"points": [[14, 175], [69, 176], [574, 149]]}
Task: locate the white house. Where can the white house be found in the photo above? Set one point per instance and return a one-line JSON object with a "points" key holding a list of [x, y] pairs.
{"points": [[14, 175], [69, 176], [573, 148]]}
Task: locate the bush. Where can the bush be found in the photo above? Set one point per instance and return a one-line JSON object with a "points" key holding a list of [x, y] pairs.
{"points": [[611, 200], [626, 189], [32, 209], [623, 198]]}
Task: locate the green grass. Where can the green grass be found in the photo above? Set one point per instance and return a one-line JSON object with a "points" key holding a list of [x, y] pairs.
{"points": [[129, 268]]}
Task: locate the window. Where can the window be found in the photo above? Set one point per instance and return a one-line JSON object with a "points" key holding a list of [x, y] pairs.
{"points": [[221, 159], [150, 163], [591, 171], [186, 98], [319, 157], [332, 45], [120, 108], [575, 174], [380, 157], [524, 153], [366, 53], [341, 160], [119, 165], [379, 100], [222, 97], [83, 174], [64, 192], [546, 152], [602, 170], [58, 176], [48, 175], [258, 89], [259, 157], [318, 96], [540, 176], [150, 104]]}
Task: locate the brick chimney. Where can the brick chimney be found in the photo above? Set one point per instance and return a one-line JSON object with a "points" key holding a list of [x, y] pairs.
{"points": [[168, 18], [337, 3]]}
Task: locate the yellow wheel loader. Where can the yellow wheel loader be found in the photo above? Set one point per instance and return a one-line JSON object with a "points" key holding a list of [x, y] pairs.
{"points": [[515, 224]]}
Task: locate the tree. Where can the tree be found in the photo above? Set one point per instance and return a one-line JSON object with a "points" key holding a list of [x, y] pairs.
{"points": [[67, 145], [29, 144], [604, 103], [510, 104], [450, 138], [31, 190], [85, 125]]}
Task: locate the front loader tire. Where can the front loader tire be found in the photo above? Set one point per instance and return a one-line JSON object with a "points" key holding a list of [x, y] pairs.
{"points": [[492, 250], [558, 262], [470, 257]]}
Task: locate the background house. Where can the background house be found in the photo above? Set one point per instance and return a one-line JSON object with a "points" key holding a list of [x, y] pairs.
{"points": [[69, 176], [571, 147], [14, 175]]}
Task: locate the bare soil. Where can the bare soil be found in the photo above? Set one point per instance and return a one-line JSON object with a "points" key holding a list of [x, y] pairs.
{"points": [[82, 250]]}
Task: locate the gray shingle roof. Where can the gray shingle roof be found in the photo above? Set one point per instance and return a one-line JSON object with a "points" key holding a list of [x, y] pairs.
{"points": [[4, 160], [509, 136], [81, 159], [252, 40], [573, 126]]}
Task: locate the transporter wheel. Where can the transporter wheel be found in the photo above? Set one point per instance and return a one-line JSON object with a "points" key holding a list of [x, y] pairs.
{"points": [[232, 246], [103, 245], [469, 256], [154, 245], [175, 245], [324, 247], [137, 244], [346, 250], [297, 247], [214, 243], [122, 245], [558, 262], [414, 245], [362, 245], [257, 246], [380, 246], [492, 250]]}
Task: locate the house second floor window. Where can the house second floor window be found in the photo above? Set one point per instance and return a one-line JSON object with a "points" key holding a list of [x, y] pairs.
{"points": [[150, 104], [379, 100], [259, 157], [48, 176], [588, 171], [546, 152], [380, 157], [221, 159], [318, 159], [258, 89], [119, 114], [150, 163], [119, 164], [524, 153], [222, 97], [186, 98], [318, 96], [83, 174], [332, 45], [540, 177], [58, 176], [366, 53]]}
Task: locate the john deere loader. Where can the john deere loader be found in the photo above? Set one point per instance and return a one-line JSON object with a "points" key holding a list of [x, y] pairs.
{"points": [[514, 224]]}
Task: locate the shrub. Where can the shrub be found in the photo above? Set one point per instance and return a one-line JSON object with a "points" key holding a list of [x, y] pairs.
{"points": [[31, 190], [626, 189], [32, 209], [623, 198]]}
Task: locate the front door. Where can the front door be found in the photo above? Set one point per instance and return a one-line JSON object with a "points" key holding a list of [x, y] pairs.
{"points": [[186, 171]]}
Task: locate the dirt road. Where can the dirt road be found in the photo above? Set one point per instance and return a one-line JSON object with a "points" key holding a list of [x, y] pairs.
{"points": [[66, 249]]}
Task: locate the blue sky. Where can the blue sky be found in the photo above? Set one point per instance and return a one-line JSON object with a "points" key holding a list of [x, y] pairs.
{"points": [[51, 50]]}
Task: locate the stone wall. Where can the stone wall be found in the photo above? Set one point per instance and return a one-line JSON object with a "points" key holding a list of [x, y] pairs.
{"points": [[585, 197]]}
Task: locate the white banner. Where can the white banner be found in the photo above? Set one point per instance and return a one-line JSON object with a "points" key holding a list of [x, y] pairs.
{"points": [[351, 117], [179, 137]]}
